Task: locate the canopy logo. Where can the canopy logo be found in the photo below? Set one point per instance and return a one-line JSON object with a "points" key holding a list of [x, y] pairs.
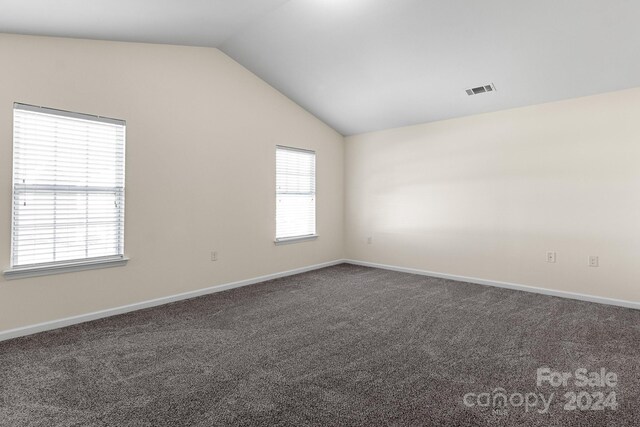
{"points": [[500, 401], [600, 394]]}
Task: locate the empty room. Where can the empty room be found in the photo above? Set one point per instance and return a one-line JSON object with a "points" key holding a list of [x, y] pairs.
{"points": [[319, 213]]}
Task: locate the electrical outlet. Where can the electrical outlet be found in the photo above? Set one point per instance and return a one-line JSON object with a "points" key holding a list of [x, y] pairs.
{"points": [[594, 261], [551, 257], [369, 240], [214, 256]]}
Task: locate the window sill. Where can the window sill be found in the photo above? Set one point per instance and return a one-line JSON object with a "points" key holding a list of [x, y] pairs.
{"points": [[46, 270], [289, 240]]}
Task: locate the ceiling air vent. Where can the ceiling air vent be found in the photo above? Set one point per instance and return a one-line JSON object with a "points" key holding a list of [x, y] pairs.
{"points": [[481, 89]]}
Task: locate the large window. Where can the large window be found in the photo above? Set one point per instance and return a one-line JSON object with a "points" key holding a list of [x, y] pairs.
{"points": [[68, 188], [295, 194]]}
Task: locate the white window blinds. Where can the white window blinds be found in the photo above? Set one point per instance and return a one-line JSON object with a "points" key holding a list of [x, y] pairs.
{"points": [[68, 187], [295, 193]]}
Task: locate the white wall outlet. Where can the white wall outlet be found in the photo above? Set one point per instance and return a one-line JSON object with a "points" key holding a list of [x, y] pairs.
{"points": [[593, 261], [369, 240], [551, 257], [214, 256]]}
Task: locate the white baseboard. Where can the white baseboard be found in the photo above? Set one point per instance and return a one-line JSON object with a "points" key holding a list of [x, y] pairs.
{"points": [[498, 284], [68, 321]]}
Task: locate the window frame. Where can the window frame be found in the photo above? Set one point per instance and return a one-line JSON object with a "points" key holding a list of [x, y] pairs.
{"points": [[305, 237], [55, 267]]}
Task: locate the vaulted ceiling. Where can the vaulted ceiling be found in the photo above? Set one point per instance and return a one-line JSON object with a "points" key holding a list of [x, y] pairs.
{"points": [[365, 65]]}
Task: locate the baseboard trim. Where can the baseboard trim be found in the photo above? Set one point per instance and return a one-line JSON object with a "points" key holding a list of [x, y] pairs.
{"points": [[498, 284], [68, 321]]}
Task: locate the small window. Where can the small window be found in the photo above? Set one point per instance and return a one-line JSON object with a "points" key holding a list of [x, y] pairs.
{"points": [[295, 194], [68, 188]]}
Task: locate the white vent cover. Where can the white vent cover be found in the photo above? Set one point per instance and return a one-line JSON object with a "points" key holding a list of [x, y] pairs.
{"points": [[481, 89]]}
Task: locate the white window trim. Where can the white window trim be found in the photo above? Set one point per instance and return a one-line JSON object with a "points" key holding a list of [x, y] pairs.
{"points": [[309, 237], [69, 267], [45, 269], [297, 239]]}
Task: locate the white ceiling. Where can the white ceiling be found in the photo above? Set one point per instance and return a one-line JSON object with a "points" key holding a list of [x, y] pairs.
{"points": [[186, 22], [364, 65]]}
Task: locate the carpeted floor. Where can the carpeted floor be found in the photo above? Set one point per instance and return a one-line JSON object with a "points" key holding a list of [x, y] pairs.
{"points": [[341, 346]]}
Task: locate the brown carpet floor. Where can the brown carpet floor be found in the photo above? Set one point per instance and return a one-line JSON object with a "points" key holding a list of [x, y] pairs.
{"points": [[341, 346]]}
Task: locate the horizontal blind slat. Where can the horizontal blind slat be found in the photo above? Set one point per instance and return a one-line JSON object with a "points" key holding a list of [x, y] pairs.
{"points": [[295, 193], [68, 201]]}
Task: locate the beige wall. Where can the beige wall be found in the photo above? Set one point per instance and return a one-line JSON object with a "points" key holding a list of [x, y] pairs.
{"points": [[201, 136], [487, 196], [483, 196]]}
